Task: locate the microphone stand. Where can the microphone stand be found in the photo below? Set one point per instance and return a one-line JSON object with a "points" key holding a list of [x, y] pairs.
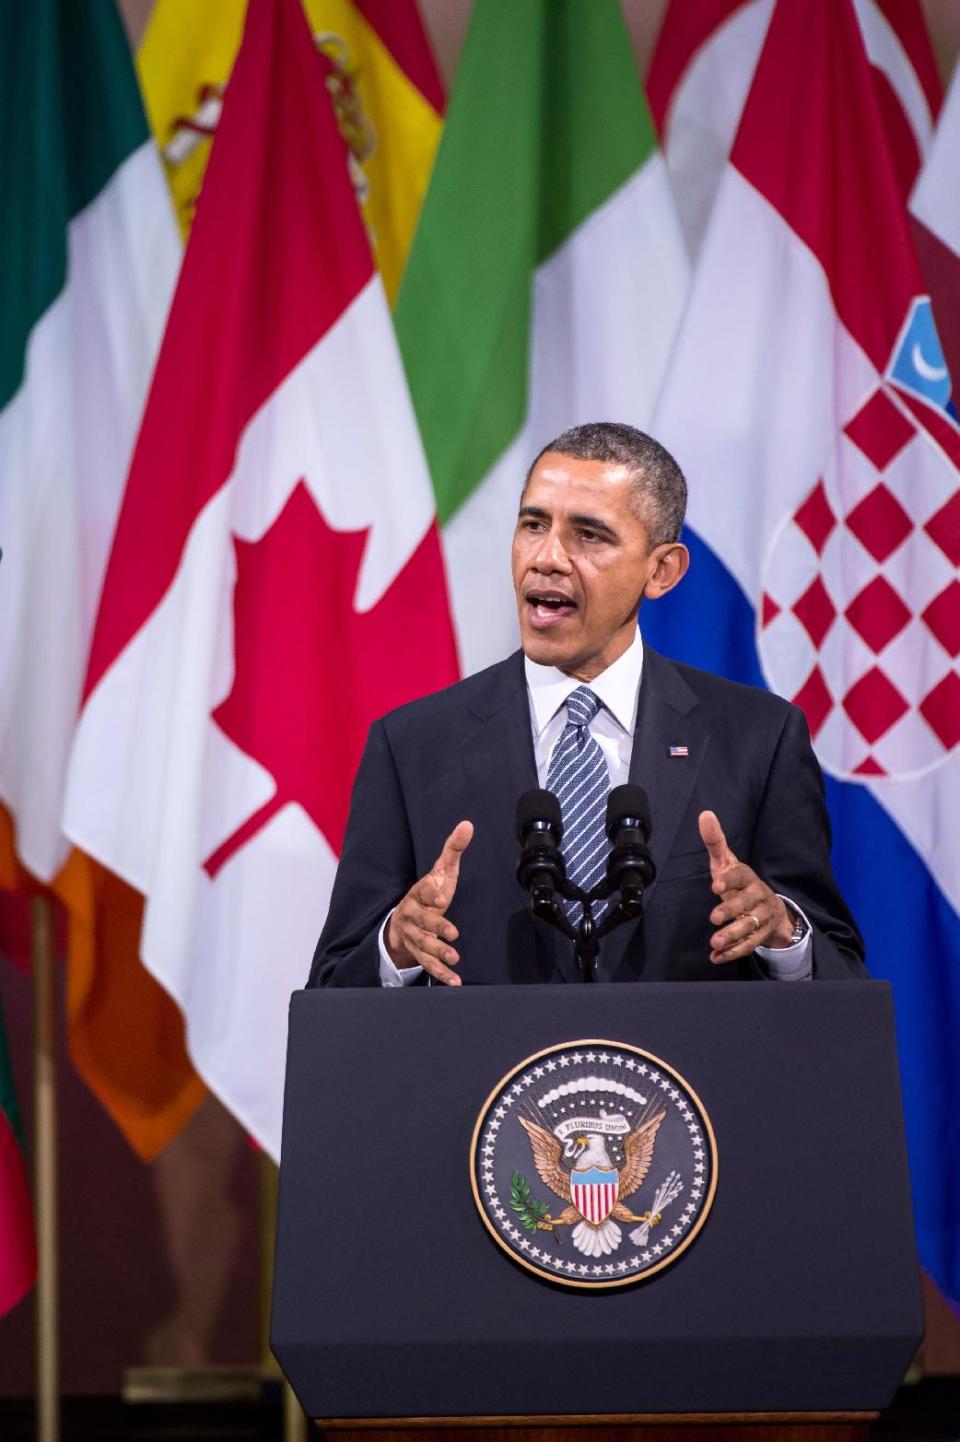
{"points": [[587, 936]]}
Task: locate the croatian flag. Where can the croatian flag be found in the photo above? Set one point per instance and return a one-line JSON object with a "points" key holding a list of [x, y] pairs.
{"points": [[808, 402]]}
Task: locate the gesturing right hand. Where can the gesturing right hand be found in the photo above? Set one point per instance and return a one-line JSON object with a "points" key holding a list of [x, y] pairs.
{"points": [[418, 933]]}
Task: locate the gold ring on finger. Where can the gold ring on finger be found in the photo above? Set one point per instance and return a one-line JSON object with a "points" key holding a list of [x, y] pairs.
{"points": [[749, 916]]}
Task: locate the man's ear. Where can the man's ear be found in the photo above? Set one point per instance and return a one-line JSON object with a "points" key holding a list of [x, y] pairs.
{"points": [[671, 562]]}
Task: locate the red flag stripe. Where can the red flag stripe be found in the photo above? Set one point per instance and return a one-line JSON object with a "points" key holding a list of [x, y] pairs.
{"points": [[18, 1251], [904, 147], [400, 27], [825, 116], [685, 28], [275, 298]]}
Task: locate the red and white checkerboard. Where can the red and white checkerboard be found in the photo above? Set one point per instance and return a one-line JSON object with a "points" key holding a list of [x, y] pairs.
{"points": [[859, 621]]}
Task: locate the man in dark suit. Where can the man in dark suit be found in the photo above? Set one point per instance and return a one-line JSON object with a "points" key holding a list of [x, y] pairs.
{"points": [[423, 894]]}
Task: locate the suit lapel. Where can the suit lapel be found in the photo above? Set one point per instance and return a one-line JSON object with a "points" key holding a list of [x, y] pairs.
{"points": [[667, 716], [498, 757]]}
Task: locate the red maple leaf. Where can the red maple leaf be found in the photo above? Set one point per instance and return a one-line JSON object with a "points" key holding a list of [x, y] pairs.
{"points": [[311, 673]]}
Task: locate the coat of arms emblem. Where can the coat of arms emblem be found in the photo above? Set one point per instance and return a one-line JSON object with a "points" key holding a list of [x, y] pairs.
{"points": [[594, 1164]]}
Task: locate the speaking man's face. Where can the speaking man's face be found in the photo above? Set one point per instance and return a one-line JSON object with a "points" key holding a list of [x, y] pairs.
{"points": [[582, 560]]}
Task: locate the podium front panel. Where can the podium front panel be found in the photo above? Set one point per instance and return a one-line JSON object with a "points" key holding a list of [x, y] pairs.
{"points": [[801, 1292]]}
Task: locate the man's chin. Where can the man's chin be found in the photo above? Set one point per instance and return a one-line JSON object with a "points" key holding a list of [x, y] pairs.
{"points": [[547, 650]]}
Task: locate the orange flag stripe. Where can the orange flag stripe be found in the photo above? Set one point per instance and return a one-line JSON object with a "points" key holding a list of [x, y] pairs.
{"points": [[125, 1034]]}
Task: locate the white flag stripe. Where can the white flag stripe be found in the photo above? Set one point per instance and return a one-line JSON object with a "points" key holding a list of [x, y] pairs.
{"points": [[936, 196], [596, 349], [65, 444]]}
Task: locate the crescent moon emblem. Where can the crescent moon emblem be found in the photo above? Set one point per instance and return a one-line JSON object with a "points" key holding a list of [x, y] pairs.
{"points": [[923, 367]]}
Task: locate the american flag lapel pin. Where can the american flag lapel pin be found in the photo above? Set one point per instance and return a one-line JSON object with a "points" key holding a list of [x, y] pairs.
{"points": [[678, 750]]}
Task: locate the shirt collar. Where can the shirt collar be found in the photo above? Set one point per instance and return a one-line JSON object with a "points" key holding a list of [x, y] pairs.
{"points": [[616, 687]]}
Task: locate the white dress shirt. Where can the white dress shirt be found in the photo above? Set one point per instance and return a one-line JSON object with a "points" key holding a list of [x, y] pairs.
{"points": [[618, 690]]}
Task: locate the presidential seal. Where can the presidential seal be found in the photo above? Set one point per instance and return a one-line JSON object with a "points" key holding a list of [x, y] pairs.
{"points": [[594, 1164]]}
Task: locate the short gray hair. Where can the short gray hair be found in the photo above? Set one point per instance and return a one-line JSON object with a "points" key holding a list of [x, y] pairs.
{"points": [[659, 486]]}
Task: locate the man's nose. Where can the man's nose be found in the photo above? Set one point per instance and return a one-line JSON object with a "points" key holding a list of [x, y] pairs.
{"points": [[551, 554]]}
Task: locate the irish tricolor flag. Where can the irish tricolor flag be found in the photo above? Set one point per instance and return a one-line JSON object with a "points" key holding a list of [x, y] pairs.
{"points": [[275, 582], [89, 256], [545, 281]]}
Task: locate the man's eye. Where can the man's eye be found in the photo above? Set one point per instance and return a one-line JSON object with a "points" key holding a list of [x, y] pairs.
{"points": [[590, 536]]}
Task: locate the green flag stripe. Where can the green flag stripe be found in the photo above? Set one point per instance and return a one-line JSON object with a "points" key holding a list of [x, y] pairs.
{"points": [[70, 114], [547, 119]]}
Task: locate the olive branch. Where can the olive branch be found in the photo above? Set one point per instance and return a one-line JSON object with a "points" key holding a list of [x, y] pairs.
{"points": [[530, 1211]]}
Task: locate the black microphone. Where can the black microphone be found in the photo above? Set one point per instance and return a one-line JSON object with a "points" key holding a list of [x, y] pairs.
{"points": [[630, 868], [539, 831]]}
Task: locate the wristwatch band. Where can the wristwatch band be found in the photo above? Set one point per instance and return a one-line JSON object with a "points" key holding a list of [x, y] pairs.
{"points": [[800, 925]]}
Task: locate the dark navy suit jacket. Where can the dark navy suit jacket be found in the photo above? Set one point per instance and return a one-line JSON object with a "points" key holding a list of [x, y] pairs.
{"points": [[467, 752]]}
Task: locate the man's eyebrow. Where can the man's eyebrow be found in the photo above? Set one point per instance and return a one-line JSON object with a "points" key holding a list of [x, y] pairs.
{"points": [[593, 523]]}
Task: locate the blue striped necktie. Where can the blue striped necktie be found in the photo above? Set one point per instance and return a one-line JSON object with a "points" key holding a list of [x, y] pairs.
{"points": [[579, 778]]}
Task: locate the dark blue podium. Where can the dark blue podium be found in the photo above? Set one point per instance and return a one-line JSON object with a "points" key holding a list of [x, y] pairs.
{"points": [[798, 1303]]}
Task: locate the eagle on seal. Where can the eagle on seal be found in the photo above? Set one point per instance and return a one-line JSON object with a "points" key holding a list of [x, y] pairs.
{"points": [[593, 1238]]}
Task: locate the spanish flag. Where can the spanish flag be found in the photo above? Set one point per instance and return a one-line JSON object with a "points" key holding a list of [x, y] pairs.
{"points": [[384, 84]]}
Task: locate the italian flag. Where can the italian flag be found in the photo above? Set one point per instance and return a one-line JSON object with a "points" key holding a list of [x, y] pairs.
{"points": [[275, 583], [545, 282], [89, 255]]}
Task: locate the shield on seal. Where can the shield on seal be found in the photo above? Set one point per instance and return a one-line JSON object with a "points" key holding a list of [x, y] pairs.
{"points": [[594, 1193]]}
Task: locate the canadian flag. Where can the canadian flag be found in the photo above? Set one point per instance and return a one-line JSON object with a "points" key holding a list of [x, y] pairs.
{"points": [[275, 581]]}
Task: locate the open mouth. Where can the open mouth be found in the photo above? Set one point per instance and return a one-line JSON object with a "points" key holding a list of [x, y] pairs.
{"points": [[547, 608]]}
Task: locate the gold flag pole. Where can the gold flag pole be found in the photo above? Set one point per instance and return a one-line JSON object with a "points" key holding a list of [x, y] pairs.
{"points": [[45, 1174], [294, 1417]]}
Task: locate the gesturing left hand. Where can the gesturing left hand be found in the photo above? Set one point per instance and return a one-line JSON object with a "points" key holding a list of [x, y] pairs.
{"points": [[749, 914]]}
